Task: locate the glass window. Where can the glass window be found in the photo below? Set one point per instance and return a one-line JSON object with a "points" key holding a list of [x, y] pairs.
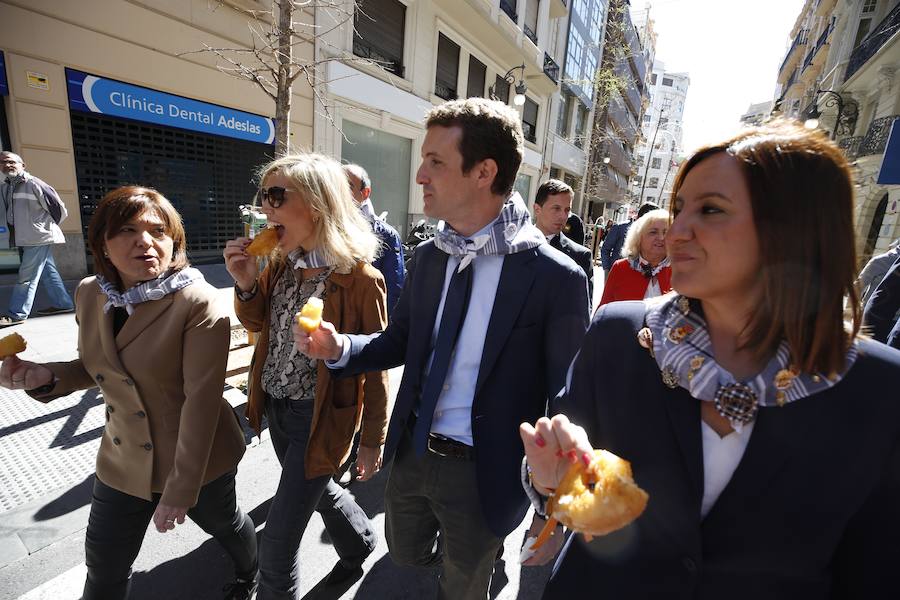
{"points": [[501, 89], [475, 82], [862, 32], [529, 119], [869, 6], [656, 163], [581, 9], [564, 116], [597, 23], [523, 186], [378, 27], [573, 56], [653, 182], [386, 158], [590, 70], [653, 79], [447, 68], [667, 81], [581, 132]]}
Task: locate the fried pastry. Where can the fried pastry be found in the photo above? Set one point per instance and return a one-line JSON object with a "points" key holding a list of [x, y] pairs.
{"points": [[264, 242], [310, 315], [595, 500], [11, 345]]}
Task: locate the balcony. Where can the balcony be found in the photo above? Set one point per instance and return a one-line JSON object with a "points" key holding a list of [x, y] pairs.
{"points": [[824, 7], [877, 136], [873, 42], [510, 7], [619, 160], [384, 59], [793, 53], [529, 33], [551, 69], [444, 90], [623, 120], [820, 43], [558, 8], [850, 146], [633, 98]]}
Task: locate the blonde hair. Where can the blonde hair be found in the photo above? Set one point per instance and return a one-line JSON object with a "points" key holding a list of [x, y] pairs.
{"points": [[342, 232], [632, 246]]}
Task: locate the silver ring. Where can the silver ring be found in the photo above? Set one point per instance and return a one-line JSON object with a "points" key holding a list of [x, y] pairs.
{"points": [[170, 520]]}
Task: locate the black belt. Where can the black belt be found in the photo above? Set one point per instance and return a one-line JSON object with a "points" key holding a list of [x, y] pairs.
{"points": [[449, 448]]}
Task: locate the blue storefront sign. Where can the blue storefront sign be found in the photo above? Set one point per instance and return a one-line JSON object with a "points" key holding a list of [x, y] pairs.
{"points": [[89, 93], [4, 86], [889, 174]]}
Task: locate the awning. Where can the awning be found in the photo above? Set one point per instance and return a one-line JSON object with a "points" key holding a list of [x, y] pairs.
{"points": [[889, 174]]}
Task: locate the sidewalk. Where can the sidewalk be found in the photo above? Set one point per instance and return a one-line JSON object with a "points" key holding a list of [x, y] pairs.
{"points": [[47, 454]]}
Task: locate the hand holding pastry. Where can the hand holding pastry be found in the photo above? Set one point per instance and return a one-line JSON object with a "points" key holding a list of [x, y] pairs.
{"points": [[314, 337], [241, 266]]}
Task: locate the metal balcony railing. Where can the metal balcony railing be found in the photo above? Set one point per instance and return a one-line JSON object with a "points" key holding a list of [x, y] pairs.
{"points": [[850, 146], [510, 7], [876, 138], [799, 40], [385, 60], [529, 33], [873, 42], [823, 38], [443, 90], [551, 69]]}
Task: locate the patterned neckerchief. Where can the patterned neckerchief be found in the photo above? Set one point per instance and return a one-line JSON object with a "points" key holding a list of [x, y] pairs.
{"points": [[511, 232], [643, 267], [313, 259], [155, 289], [683, 350]]}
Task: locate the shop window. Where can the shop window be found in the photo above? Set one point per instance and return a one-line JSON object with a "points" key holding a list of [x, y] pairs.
{"points": [[205, 176], [529, 120], [387, 159], [378, 33], [475, 82], [447, 68]]}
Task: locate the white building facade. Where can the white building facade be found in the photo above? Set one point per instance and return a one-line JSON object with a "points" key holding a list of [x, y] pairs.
{"points": [[656, 157]]}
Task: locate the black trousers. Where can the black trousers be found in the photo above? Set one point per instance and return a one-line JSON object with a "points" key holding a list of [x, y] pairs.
{"points": [[118, 522]]}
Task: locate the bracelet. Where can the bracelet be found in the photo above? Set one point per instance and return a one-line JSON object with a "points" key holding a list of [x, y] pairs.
{"points": [[244, 296], [531, 481]]}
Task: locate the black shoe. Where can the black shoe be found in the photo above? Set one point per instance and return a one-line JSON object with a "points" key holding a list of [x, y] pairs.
{"points": [[7, 321], [342, 573], [46, 312], [241, 589]]}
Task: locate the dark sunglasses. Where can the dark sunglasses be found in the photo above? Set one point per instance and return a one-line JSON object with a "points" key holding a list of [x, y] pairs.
{"points": [[274, 195]]}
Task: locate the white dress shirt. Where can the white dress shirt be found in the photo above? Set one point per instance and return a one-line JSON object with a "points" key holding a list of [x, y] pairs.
{"points": [[453, 412], [721, 456]]}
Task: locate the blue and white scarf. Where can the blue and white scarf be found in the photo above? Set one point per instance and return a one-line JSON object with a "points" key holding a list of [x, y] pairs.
{"points": [[683, 350], [313, 259], [643, 267], [155, 289], [511, 232]]}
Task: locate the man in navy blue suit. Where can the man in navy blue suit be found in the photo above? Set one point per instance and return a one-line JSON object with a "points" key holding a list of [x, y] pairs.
{"points": [[883, 307], [488, 321]]}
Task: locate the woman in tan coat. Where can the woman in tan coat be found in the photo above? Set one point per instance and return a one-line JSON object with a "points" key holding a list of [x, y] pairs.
{"points": [[324, 247], [152, 337]]}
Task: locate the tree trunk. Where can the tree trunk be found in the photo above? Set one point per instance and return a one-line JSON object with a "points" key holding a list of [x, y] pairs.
{"points": [[283, 100]]}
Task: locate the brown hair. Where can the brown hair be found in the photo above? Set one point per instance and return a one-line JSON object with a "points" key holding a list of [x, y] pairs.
{"points": [[801, 194], [551, 187], [490, 129], [122, 205]]}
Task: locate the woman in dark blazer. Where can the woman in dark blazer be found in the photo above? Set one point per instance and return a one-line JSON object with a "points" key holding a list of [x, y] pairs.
{"points": [[643, 271], [756, 419], [155, 340], [324, 249]]}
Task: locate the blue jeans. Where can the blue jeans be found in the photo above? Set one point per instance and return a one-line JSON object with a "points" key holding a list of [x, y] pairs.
{"points": [[37, 265], [348, 526]]}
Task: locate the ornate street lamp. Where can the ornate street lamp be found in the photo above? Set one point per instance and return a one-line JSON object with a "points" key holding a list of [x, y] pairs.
{"points": [[521, 88], [847, 112]]}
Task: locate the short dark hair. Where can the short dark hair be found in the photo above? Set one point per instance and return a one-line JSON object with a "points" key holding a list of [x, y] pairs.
{"points": [[551, 187], [801, 193], [490, 129], [645, 208], [122, 205]]}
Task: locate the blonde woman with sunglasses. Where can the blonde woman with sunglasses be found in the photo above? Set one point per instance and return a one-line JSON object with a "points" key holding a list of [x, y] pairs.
{"points": [[324, 249]]}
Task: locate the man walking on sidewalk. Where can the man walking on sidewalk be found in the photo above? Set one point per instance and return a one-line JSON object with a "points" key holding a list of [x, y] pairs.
{"points": [[33, 212]]}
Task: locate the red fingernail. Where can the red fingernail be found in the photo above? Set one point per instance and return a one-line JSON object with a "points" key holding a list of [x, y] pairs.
{"points": [[539, 442], [559, 454], [586, 459], [572, 455]]}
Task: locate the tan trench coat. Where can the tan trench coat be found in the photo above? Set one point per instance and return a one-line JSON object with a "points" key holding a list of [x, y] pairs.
{"points": [[168, 429]]}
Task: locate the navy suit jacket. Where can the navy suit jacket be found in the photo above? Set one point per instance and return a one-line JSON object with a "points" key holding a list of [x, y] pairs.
{"points": [[538, 319], [810, 512], [581, 256], [611, 249], [883, 306], [390, 261]]}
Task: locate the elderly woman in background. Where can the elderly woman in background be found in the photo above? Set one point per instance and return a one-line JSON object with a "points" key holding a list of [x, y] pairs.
{"points": [[644, 270], [755, 418], [324, 249], [153, 338]]}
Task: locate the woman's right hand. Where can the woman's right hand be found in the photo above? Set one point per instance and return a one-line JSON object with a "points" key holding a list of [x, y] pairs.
{"points": [[240, 265], [18, 374], [551, 447]]}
